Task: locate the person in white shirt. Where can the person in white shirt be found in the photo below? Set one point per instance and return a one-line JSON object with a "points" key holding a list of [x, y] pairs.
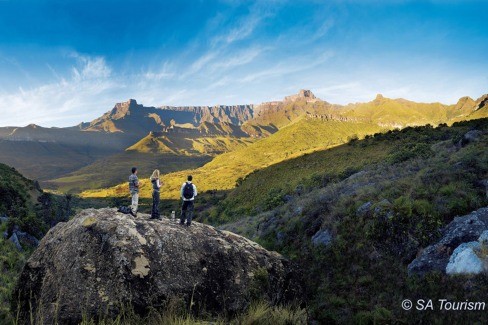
{"points": [[134, 185], [188, 193]]}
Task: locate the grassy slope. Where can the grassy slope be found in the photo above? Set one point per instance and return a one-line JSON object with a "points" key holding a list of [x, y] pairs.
{"points": [[210, 145], [306, 135], [295, 175], [402, 112], [481, 113], [114, 169], [10, 178], [426, 178]]}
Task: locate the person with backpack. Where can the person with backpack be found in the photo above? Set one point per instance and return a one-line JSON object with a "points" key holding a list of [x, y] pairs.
{"points": [[156, 185], [134, 191], [188, 193]]}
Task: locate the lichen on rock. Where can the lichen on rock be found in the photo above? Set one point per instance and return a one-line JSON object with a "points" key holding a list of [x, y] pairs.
{"points": [[101, 260]]}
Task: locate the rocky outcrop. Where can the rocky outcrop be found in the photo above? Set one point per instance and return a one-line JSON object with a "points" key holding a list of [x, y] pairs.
{"points": [[322, 237], [470, 137], [103, 259], [18, 237], [465, 259], [305, 95], [461, 230], [481, 102]]}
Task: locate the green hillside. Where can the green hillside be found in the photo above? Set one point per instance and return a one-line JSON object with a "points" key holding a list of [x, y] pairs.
{"points": [[189, 144], [116, 169], [27, 208], [18, 195], [303, 136], [18, 199], [401, 112], [415, 181]]}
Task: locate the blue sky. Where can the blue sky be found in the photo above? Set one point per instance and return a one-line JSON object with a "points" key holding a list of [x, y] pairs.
{"points": [[63, 62]]}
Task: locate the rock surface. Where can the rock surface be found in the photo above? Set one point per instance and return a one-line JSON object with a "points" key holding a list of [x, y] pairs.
{"points": [[102, 259], [470, 137], [465, 259], [322, 237], [461, 230], [303, 94]]}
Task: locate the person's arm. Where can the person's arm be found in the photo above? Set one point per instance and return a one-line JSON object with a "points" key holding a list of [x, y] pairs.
{"points": [[158, 184], [194, 190], [181, 191]]}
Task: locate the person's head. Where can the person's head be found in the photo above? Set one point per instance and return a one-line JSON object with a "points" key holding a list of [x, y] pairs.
{"points": [[155, 174], [190, 178], [134, 170]]}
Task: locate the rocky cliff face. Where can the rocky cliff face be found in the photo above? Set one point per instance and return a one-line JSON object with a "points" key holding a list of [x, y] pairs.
{"points": [[303, 94], [102, 259], [131, 117], [234, 114]]}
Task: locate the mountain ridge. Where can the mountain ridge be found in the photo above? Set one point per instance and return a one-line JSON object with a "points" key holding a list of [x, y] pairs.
{"points": [[206, 130]]}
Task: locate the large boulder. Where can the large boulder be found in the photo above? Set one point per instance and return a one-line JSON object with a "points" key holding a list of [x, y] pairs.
{"points": [[103, 259], [461, 230]]}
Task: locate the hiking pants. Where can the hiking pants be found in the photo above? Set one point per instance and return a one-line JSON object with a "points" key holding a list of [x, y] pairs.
{"points": [[187, 206], [135, 201], [155, 205]]}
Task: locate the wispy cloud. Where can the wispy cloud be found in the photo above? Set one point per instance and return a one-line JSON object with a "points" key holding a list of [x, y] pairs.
{"points": [[163, 73], [62, 100], [323, 29], [292, 65], [242, 58], [243, 28]]}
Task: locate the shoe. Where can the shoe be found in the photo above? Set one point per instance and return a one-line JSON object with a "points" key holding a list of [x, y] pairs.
{"points": [[188, 225]]}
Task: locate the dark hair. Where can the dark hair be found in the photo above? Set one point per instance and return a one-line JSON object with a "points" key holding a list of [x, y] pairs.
{"points": [[190, 178], [134, 169]]}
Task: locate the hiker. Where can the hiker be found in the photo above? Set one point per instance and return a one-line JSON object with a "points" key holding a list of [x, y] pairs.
{"points": [[156, 185], [134, 191], [188, 193]]}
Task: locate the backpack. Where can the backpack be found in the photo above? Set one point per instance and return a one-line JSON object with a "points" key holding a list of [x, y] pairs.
{"points": [[124, 209], [188, 191]]}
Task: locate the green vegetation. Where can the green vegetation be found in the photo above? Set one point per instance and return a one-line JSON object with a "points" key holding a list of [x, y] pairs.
{"points": [[112, 170], [303, 136], [381, 206], [381, 197], [401, 112], [30, 210], [11, 264], [175, 313]]}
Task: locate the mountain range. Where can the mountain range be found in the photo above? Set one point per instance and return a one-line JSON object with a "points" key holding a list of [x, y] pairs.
{"points": [[99, 153]]}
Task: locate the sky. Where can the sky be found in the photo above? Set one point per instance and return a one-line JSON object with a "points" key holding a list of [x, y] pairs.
{"points": [[67, 61]]}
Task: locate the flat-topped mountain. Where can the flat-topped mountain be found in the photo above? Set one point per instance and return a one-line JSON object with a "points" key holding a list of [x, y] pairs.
{"points": [[130, 117], [50, 153]]}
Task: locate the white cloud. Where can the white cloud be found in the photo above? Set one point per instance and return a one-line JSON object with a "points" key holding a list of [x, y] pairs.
{"points": [[64, 101]]}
